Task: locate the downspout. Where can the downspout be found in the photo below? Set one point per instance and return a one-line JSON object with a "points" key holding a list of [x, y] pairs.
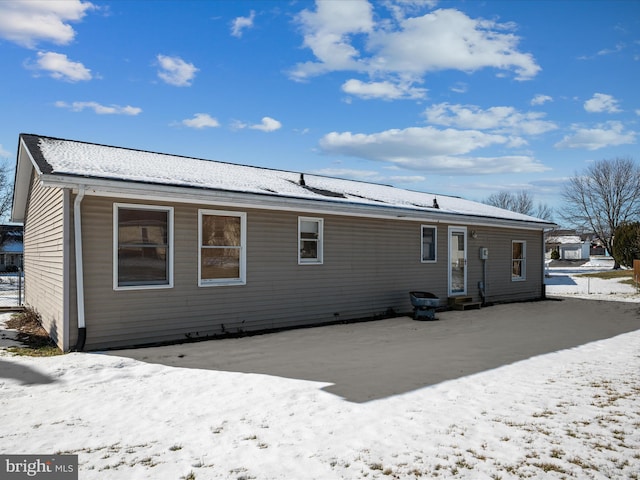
{"points": [[544, 264], [483, 290], [77, 231]]}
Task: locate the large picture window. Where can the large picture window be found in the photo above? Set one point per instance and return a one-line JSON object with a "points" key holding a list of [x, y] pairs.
{"points": [[429, 244], [518, 260], [222, 253], [143, 243], [310, 240]]}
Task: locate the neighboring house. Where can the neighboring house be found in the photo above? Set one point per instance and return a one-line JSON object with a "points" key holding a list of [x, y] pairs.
{"points": [[569, 245], [11, 248], [597, 247], [126, 247]]}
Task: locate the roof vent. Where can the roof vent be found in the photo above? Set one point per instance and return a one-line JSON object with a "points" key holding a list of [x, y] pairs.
{"points": [[301, 181], [435, 203]]}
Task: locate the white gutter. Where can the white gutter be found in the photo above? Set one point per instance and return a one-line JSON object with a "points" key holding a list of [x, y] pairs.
{"points": [[77, 231], [154, 192]]}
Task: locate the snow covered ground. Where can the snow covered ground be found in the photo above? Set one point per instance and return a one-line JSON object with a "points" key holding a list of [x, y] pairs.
{"points": [[570, 414], [567, 281]]}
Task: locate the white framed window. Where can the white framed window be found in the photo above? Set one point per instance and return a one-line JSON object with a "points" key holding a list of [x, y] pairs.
{"points": [[142, 246], [429, 244], [310, 240], [222, 253], [518, 260]]}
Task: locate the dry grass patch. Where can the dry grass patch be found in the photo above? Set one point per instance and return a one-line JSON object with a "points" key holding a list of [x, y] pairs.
{"points": [[623, 276], [37, 342]]}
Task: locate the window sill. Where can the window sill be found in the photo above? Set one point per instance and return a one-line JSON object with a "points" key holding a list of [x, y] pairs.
{"points": [[124, 288], [220, 283]]}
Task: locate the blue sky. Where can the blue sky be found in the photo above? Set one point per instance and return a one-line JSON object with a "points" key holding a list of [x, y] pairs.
{"points": [[462, 98]]}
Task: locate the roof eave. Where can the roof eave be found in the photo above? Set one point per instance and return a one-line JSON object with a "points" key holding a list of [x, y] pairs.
{"points": [[25, 164], [265, 201]]}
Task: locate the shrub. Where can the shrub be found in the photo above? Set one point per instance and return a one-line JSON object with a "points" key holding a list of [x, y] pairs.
{"points": [[626, 243]]}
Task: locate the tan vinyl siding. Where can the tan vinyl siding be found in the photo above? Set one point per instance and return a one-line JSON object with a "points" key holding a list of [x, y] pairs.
{"points": [[500, 287], [44, 245], [370, 265]]}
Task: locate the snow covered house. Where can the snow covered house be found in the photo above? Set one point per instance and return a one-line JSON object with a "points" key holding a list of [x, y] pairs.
{"points": [[125, 247], [570, 246]]}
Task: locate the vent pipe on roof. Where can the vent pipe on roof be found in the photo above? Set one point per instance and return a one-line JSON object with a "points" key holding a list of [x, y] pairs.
{"points": [[301, 182], [77, 232], [435, 203]]}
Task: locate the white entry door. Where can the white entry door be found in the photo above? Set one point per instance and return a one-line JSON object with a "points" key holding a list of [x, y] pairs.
{"points": [[457, 261]]}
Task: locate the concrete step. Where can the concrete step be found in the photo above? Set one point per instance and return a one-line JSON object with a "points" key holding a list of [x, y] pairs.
{"points": [[463, 303]]}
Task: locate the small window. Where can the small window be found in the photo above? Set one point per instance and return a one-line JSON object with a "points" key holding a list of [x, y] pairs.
{"points": [[143, 244], [429, 244], [310, 233], [222, 252], [518, 260]]}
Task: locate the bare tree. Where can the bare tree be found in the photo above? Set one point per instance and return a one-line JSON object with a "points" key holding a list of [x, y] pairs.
{"points": [[520, 202], [6, 191], [604, 196], [544, 211]]}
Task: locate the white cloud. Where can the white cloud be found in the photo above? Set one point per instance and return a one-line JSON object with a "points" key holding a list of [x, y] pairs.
{"points": [[328, 31], [100, 109], [239, 24], [448, 39], [4, 153], [27, 22], [603, 135], [609, 51], [430, 149], [368, 175], [201, 120], [176, 71], [60, 67], [238, 125], [498, 119], [362, 175], [601, 102], [445, 39], [268, 125], [541, 99], [459, 87], [384, 90], [407, 178], [401, 8]]}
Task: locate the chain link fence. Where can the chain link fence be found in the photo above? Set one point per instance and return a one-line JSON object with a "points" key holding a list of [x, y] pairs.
{"points": [[11, 289]]}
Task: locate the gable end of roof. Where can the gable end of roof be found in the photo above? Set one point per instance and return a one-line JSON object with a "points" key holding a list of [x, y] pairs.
{"points": [[32, 143]]}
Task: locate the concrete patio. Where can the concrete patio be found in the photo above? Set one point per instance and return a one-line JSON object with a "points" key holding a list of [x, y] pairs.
{"points": [[372, 360]]}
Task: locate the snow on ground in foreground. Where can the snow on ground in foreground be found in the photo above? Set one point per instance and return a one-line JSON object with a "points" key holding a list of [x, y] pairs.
{"points": [[569, 414]]}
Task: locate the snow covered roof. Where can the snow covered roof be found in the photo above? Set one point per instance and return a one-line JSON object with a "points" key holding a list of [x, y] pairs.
{"points": [[73, 159], [11, 246], [565, 239]]}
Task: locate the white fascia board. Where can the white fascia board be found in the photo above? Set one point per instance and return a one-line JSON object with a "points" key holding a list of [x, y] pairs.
{"points": [[177, 194], [25, 165]]}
